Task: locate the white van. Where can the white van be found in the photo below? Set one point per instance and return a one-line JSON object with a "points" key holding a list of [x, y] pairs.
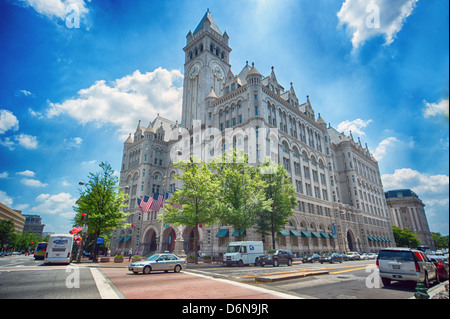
{"points": [[244, 253], [59, 249]]}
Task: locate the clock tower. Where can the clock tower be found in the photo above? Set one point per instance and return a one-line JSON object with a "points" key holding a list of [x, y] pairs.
{"points": [[206, 65]]}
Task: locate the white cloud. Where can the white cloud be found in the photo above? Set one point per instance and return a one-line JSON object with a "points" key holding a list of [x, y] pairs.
{"points": [[126, 100], [27, 173], [8, 121], [32, 182], [54, 204], [27, 141], [434, 109], [74, 142], [354, 126], [5, 199], [432, 189], [56, 8], [367, 19], [4, 175], [380, 151]]}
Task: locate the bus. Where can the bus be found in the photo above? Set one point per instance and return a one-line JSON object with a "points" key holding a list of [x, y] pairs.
{"points": [[39, 253], [59, 249]]}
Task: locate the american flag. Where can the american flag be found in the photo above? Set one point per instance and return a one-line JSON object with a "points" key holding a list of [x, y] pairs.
{"points": [[144, 205], [175, 205], [157, 202]]}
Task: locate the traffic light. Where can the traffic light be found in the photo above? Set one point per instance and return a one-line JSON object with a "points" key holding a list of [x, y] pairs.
{"points": [[82, 216]]}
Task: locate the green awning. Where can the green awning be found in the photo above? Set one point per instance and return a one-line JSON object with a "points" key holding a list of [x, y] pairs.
{"points": [[120, 239], [295, 233], [127, 238], [283, 232], [222, 233], [236, 233], [369, 238], [305, 233], [332, 236], [323, 234], [315, 234]]}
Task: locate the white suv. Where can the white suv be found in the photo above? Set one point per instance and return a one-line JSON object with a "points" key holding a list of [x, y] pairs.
{"points": [[404, 264]]}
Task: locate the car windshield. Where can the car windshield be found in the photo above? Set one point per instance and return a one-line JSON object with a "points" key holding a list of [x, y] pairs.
{"points": [[396, 255], [153, 257], [233, 249]]}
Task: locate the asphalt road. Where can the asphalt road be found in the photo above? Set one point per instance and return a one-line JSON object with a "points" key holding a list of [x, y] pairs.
{"points": [[347, 280], [23, 277]]}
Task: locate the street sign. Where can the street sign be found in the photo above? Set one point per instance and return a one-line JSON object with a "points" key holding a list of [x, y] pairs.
{"points": [[100, 240]]}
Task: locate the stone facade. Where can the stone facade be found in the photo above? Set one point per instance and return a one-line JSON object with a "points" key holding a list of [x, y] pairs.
{"points": [[407, 211], [340, 199]]}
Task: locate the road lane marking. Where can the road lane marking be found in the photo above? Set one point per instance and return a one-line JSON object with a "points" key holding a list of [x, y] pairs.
{"points": [[347, 270], [246, 286], [304, 270], [104, 288]]}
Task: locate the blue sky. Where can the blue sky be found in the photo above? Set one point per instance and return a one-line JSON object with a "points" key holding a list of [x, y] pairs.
{"points": [[70, 95]]}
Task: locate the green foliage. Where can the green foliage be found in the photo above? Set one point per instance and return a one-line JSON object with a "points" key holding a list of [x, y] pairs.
{"points": [[440, 241], [6, 231], [101, 202], [199, 197], [405, 237], [242, 191], [281, 191]]}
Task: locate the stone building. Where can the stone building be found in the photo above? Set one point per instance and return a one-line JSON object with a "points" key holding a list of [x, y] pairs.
{"points": [[340, 202], [33, 224], [407, 211]]}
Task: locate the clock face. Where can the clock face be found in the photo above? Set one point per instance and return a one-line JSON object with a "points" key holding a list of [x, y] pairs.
{"points": [[194, 71], [218, 71]]}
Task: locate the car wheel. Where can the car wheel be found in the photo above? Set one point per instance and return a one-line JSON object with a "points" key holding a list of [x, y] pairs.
{"points": [[147, 270], [177, 268], [275, 263], [240, 263], [257, 262], [438, 278], [386, 281]]}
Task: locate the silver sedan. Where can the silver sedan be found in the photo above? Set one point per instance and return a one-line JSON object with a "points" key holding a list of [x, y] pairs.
{"points": [[158, 262]]}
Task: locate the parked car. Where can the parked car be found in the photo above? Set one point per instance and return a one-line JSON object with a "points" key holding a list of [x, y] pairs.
{"points": [[158, 262], [353, 255], [441, 264], [364, 257], [330, 258], [372, 256], [405, 264], [344, 257], [277, 257], [311, 258]]}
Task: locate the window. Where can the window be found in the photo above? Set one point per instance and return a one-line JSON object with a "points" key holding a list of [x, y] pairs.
{"points": [[256, 110]]}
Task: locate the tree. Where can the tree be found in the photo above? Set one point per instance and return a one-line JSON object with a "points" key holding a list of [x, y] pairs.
{"points": [[440, 241], [199, 198], [280, 189], [101, 203], [405, 238], [242, 191], [6, 230]]}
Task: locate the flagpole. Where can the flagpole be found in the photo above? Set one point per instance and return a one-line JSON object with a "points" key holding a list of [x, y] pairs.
{"points": [[162, 219]]}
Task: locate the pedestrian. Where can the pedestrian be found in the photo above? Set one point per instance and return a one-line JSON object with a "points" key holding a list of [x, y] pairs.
{"points": [[130, 253]]}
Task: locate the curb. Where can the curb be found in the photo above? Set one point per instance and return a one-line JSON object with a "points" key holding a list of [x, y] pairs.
{"points": [[280, 277]]}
